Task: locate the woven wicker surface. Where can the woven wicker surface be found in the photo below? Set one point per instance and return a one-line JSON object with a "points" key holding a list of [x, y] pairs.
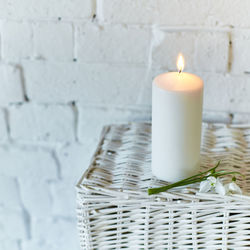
{"points": [[115, 212]]}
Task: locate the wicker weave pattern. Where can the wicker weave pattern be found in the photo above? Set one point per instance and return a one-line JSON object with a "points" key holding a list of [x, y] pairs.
{"points": [[115, 212]]}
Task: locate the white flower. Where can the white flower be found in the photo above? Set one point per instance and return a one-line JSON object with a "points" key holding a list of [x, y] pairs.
{"points": [[232, 188], [211, 183], [219, 187], [207, 185]]}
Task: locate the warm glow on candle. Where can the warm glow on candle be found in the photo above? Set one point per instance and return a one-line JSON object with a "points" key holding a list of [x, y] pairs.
{"points": [[180, 63]]}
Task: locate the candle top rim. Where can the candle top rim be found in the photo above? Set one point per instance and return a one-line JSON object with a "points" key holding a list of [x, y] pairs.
{"points": [[179, 82]]}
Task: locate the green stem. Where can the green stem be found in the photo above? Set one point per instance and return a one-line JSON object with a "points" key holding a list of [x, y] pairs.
{"points": [[202, 173], [194, 176], [180, 184], [193, 179]]}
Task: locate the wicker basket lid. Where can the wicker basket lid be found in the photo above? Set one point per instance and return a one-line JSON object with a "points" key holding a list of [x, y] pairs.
{"points": [[121, 165]]}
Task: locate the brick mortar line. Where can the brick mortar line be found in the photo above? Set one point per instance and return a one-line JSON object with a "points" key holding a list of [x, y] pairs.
{"points": [[194, 27]]}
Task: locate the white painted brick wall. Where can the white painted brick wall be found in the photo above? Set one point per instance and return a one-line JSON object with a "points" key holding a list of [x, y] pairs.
{"points": [[53, 41], [241, 40], [17, 42], [227, 98], [50, 123], [3, 126], [12, 224], [156, 12], [70, 67], [202, 47], [6, 245], [11, 84], [55, 233], [96, 44], [177, 12], [28, 9], [52, 82], [28, 162]]}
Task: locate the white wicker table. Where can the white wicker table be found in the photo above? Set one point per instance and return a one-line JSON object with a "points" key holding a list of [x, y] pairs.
{"points": [[115, 212]]}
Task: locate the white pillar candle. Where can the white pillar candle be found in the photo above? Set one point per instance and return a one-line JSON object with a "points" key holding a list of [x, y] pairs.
{"points": [[176, 125]]}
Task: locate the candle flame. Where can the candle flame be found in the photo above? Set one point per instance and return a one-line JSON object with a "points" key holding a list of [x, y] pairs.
{"points": [[180, 63]]}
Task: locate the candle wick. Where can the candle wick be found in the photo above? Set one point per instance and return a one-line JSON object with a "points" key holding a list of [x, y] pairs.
{"points": [[179, 71]]}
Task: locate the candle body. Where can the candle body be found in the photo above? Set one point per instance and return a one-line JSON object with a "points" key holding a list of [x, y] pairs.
{"points": [[176, 125]]}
